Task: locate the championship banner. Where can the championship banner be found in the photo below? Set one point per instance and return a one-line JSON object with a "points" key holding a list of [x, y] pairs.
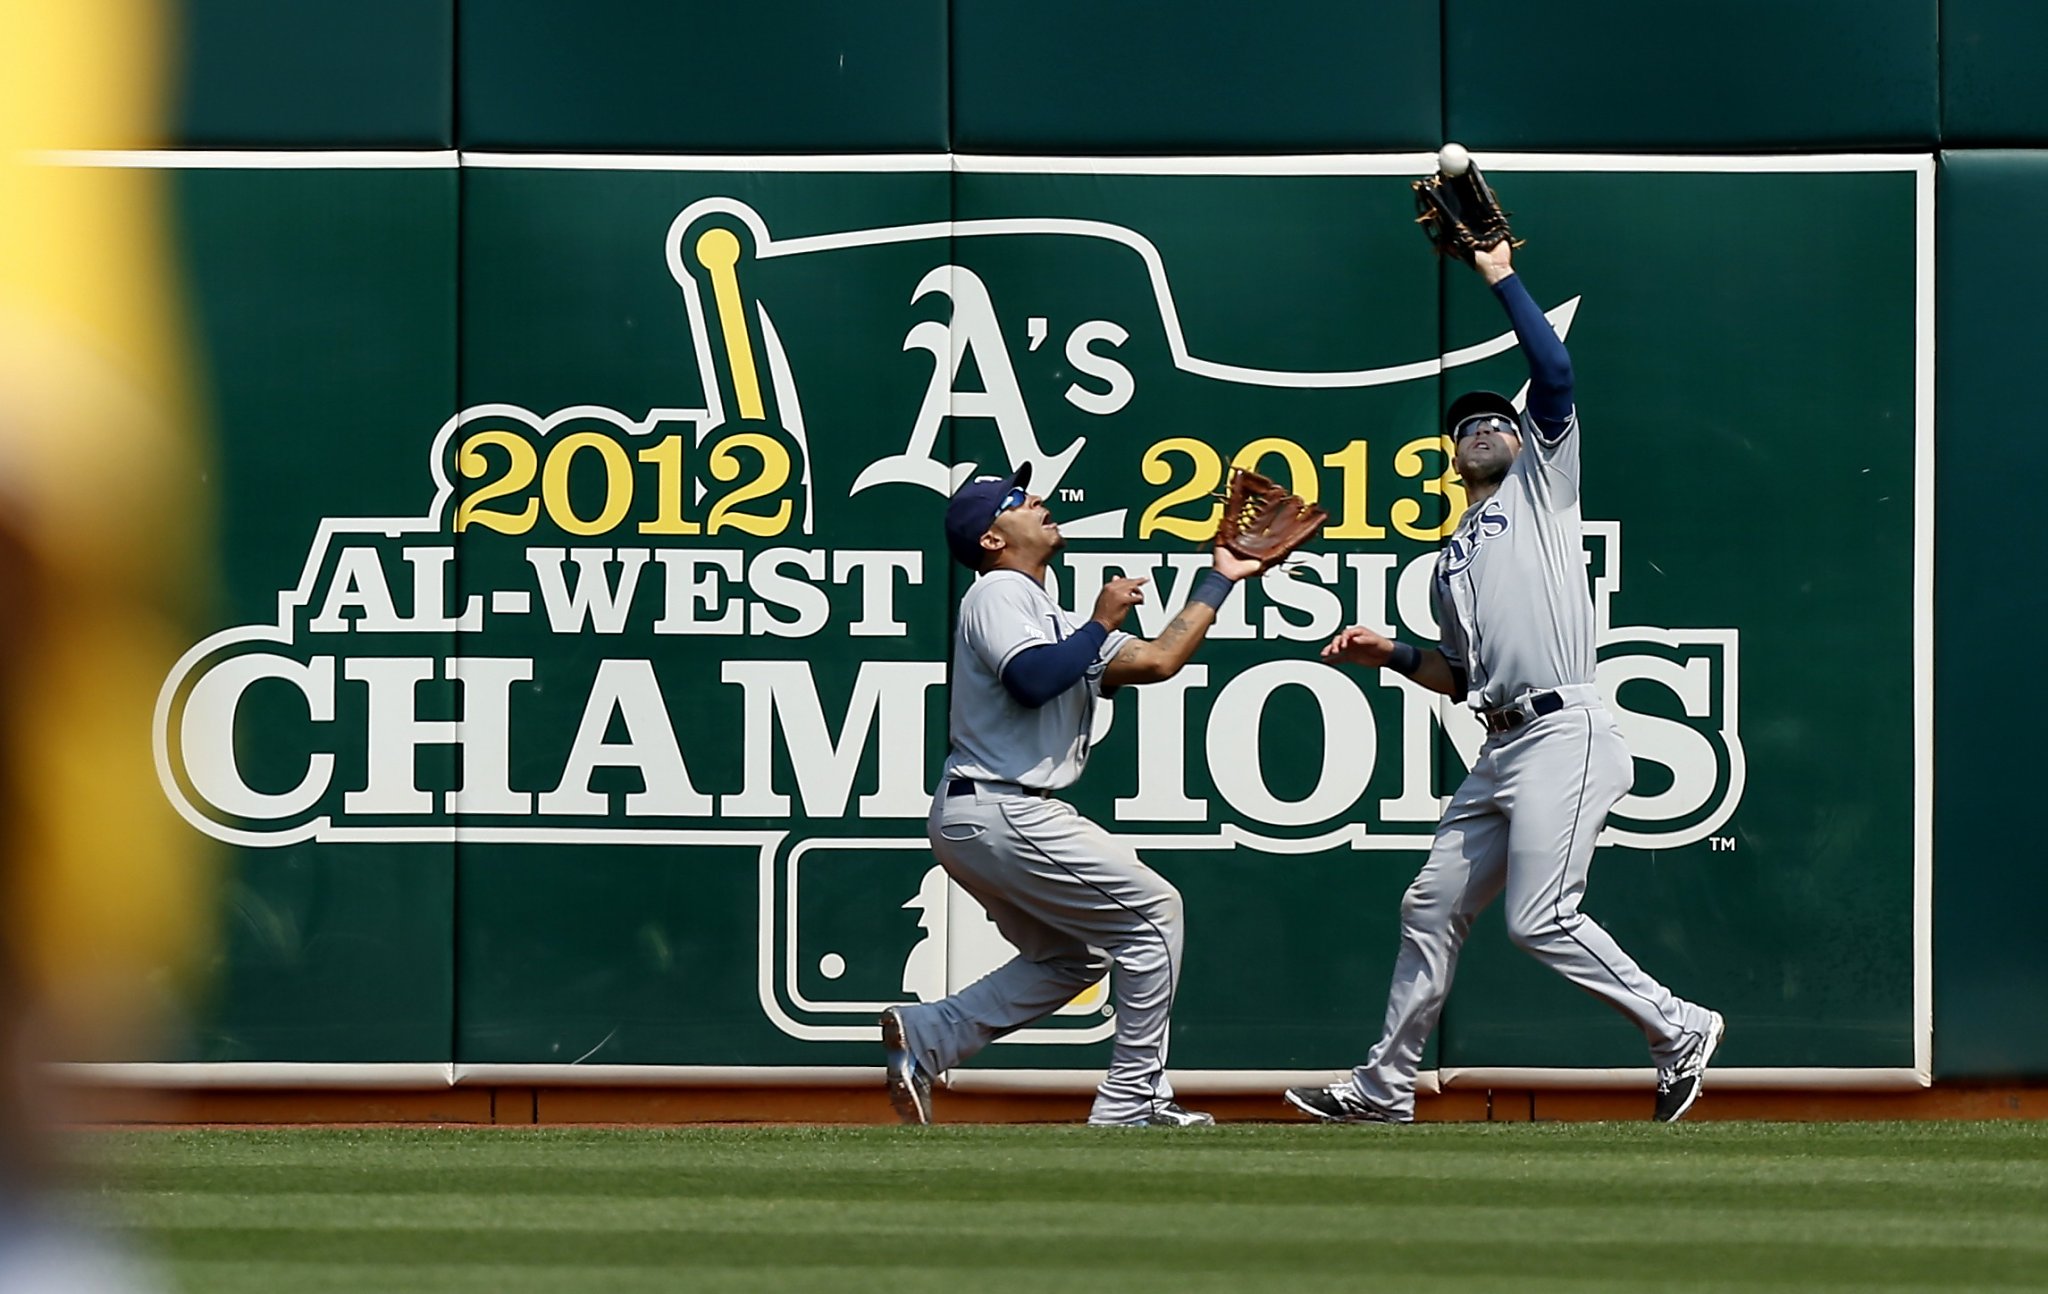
{"points": [[641, 646]]}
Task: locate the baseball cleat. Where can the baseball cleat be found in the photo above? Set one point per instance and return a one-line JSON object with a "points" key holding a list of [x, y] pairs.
{"points": [[910, 1088], [1337, 1103], [1163, 1114], [1679, 1086]]}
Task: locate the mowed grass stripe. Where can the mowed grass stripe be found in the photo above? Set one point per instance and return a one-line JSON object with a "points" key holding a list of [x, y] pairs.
{"points": [[1359, 1182], [1259, 1257], [1619, 1221], [908, 1170], [268, 1278]]}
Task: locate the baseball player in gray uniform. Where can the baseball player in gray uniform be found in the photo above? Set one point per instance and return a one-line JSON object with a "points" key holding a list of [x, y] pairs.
{"points": [[1518, 647], [1073, 899]]}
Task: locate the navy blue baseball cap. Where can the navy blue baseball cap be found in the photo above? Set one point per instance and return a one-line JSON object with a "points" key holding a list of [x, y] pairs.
{"points": [[1473, 403], [972, 510]]}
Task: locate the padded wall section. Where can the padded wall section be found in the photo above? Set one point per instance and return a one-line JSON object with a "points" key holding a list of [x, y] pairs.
{"points": [[759, 910], [1991, 83], [1989, 887], [1738, 76], [310, 73], [1201, 76], [811, 76], [324, 314]]}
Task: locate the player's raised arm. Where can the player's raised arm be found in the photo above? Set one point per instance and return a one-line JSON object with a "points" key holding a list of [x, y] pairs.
{"points": [[1550, 365], [1428, 666]]}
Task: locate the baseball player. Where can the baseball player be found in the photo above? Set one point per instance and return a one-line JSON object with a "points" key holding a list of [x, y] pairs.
{"points": [[1026, 679], [1518, 647]]}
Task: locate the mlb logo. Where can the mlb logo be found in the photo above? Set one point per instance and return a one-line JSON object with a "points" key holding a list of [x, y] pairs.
{"points": [[851, 926], [961, 945]]}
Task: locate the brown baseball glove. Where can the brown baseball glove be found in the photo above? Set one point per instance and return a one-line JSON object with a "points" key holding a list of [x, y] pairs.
{"points": [[1461, 214], [1262, 522]]}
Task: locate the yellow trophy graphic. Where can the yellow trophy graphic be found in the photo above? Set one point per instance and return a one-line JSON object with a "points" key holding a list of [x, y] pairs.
{"points": [[752, 435]]}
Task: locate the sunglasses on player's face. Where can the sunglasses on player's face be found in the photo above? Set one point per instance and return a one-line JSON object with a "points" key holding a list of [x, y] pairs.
{"points": [[1479, 422], [1016, 498]]}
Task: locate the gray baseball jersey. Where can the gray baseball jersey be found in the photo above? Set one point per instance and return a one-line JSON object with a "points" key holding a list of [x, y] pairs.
{"points": [[1511, 589], [995, 737]]}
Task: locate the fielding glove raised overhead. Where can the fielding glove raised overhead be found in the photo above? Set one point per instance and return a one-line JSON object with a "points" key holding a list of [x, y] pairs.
{"points": [[1461, 214]]}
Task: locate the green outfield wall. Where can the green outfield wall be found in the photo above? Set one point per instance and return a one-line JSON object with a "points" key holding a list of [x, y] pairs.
{"points": [[587, 383]]}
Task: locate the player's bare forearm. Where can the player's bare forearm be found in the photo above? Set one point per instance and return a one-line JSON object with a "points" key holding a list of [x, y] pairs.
{"points": [[1360, 645], [1158, 659], [1436, 674]]}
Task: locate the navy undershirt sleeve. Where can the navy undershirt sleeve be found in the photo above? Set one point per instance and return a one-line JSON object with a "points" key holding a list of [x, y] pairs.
{"points": [[1550, 365], [1038, 674]]}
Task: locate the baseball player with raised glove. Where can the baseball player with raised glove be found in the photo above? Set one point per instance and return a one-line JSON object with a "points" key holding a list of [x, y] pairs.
{"points": [[1519, 648], [1026, 679]]}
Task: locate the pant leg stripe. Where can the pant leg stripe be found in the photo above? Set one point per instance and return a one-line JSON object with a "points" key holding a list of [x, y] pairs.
{"points": [[1564, 874], [1165, 944]]}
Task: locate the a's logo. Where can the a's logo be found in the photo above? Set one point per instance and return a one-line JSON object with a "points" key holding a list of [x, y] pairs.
{"points": [[524, 660]]}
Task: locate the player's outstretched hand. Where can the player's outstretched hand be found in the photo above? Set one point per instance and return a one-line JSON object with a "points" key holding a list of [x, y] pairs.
{"points": [[1358, 645], [1231, 566], [1116, 600]]}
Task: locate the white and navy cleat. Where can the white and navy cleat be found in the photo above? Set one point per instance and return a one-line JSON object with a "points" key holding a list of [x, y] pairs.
{"points": [[1338, 1103], [1679, 1086], [1163, 1114]]}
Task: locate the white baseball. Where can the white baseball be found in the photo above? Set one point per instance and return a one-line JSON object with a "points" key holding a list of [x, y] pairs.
{"points": [[1452, 159]]}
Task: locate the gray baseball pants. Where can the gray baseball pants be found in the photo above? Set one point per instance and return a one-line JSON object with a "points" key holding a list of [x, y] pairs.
{"points": [[1524, 821], [1073, 900]]}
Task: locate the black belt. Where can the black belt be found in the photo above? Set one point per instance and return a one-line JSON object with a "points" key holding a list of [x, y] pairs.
{"points": [[1526, 709], [962, 786]]}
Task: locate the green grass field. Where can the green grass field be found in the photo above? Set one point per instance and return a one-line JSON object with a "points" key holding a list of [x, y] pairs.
{"points": [[1492, 1207]]}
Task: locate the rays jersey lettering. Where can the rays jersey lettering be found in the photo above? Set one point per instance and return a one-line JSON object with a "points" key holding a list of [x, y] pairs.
{"points": [[1511, 586], [1461, 548]]}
